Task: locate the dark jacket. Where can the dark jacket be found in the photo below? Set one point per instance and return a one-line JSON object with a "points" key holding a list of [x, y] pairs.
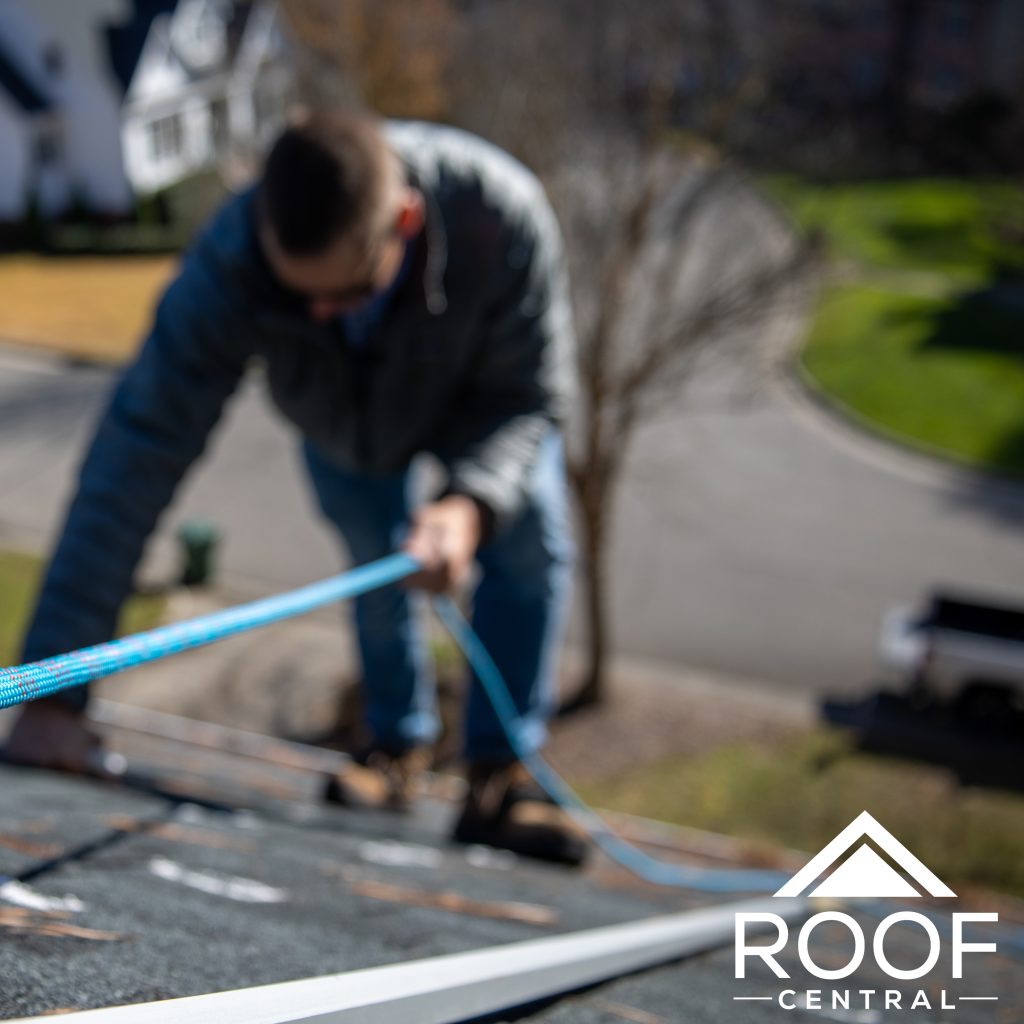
{"points": [[472, 359]]}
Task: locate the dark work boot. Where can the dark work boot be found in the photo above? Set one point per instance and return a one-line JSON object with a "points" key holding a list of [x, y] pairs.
{"points": [[506, 809], [378, 778]]}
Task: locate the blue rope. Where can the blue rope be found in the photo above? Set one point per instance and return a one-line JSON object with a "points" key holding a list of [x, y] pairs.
{"points": [[43, 678], [37, 679], [628, 856]]}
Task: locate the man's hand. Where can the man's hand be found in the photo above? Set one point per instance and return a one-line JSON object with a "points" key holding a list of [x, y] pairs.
{"points": [[444, 537], [49, 734]]}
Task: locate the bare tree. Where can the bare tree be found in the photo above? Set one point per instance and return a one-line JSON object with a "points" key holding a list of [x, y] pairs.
{"points": [[589, 93], [391, 55]]}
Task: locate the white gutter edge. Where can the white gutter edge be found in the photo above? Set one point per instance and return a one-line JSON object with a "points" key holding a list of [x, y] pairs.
{"points": [[457, 987]]}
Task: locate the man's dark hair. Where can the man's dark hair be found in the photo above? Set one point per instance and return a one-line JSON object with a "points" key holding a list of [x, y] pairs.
{"points": [[326, 177]]}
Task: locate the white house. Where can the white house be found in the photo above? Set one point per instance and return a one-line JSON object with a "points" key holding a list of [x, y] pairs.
{"points": [[28, 135], [212, 84], [103, 98], [59, 107]]}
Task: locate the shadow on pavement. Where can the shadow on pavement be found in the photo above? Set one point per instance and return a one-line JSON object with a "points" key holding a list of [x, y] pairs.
{"points": [[979, 735]]}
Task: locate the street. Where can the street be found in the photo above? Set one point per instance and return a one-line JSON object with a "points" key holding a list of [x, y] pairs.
{"points": [[752, 537]]}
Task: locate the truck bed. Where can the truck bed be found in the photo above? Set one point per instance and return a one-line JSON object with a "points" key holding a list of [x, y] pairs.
{"points": [[959, 612]]}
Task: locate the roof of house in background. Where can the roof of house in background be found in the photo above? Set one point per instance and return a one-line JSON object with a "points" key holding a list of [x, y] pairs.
{"points": [[125, 41], [241, 11], [19, 88]]}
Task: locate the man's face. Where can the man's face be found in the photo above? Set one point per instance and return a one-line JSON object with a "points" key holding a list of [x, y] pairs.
{"points": [[346, 276]]}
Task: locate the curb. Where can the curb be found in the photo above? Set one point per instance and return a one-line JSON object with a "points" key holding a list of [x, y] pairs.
{"points": [[873, 444]]}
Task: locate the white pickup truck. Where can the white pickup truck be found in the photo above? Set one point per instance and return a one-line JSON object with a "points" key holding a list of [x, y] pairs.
{"points": [[957, 644]]}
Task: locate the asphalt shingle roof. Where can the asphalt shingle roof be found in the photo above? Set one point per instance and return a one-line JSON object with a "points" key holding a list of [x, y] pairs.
{"points": [[355, 890]]}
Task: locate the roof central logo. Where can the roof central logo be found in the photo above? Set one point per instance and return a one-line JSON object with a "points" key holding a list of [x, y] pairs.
{"points": [[864, 873], [864, 860]]}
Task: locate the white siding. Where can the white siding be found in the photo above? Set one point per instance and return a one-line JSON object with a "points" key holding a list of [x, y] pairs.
{"points": [[148, 167], [262, 80], [159, 75], [84, 93], [161, 87]]}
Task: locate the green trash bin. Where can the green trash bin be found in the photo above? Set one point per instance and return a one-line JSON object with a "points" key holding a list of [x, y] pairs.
{"points": [[199, 540]]}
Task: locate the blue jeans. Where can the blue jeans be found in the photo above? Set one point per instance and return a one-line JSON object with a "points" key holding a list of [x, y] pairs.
{"points": [[518, 607]]}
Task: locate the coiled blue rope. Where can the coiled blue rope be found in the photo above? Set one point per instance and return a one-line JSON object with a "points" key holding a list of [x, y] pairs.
{"points": [[22, 683]]}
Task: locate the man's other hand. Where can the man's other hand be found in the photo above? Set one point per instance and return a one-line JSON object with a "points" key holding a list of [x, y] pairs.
{"points": [[443, 538], [49, 734]]}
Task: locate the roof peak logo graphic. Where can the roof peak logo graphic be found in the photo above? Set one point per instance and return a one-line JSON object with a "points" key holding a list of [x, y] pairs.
{"points": [[863, 861], [864, 873]]}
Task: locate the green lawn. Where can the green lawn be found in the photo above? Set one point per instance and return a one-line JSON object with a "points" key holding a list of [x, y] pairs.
{"points": [[800, 792], [19, 581], [911, 335], [937, 372], [94, 308], [963, 229]]}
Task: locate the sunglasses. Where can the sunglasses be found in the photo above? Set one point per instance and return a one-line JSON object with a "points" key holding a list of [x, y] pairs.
{"points": [[356, 294], [353, 295]]}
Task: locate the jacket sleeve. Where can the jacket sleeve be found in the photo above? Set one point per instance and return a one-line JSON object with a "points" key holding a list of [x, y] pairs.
{"points": [[154, 427], [523, 380]]}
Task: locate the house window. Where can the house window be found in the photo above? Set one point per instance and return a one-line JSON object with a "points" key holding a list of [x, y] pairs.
{"points": [[201, 29], [46, 148], [53, 60], [867, 73], [198, 33], [956, 19], [164, 137], [270, 104], [218, 126], [947, 83]]}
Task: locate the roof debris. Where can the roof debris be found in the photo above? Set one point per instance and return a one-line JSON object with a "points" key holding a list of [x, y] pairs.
{"points": [[31, 922]]}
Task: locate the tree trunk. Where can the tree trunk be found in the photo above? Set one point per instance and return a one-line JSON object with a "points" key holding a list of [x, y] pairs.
{"points": [[593, 689], [899, 77]]}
